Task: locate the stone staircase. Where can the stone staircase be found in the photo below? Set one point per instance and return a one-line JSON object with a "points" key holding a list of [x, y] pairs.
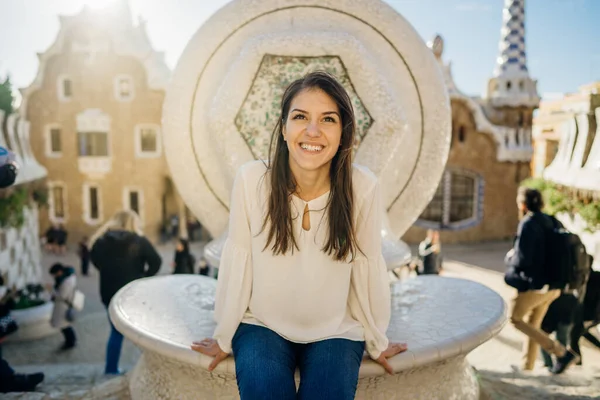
{"points": [[73, 382]]}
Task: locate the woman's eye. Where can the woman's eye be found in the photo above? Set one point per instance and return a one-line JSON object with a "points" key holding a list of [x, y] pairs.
{"points": [[298, 116], [329, 119]]}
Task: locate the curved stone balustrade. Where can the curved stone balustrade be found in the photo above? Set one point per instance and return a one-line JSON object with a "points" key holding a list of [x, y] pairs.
{"points": [[441, 319], [20, 247], [577, 162], [16, 138]]}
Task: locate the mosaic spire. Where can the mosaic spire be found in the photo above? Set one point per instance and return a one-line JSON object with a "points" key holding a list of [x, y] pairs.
{"points": [[512, 60]]}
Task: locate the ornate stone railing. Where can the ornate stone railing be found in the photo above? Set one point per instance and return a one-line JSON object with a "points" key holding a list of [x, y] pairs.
{"points": [[20, 253], [577, 162]]}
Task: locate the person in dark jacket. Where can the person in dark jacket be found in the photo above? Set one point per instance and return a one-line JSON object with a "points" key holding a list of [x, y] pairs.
{"points": [[559, 318], [184, 261], [586, 317], [430, 254], [525, 271], [51, 236], [61, 239], [121, 254], [84, 256]]}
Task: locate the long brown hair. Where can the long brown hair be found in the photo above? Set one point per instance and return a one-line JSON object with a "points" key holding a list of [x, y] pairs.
{"points": [[341, 241]]}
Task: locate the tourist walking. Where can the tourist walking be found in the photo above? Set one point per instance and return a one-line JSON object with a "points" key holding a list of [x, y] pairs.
{"points": [[83, 252], [65, 283], [587, 316], [50, 239], [184, 261], [527, 272], [61, 239], [302, 281], [121, 254], [430, 254]]}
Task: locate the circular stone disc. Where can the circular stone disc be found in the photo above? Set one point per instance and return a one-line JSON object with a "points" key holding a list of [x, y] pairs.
{"points": [[224, 98]]}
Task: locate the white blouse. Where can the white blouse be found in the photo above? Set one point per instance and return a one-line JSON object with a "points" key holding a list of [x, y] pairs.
{"points": [[304, 296]]}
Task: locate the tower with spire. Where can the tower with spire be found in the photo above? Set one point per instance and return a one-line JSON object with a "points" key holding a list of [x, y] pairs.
{"points": [[511, 85]]}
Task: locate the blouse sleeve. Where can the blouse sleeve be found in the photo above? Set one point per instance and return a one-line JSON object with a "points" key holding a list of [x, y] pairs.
{"points": [[369, 296], [234, 285]]}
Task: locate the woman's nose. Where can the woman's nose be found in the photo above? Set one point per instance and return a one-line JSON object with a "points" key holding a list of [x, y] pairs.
{"points": [[312, 129]]}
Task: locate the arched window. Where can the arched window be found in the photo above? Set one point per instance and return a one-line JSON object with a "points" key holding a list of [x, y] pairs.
{"points": [[457, 203], [508, 85]]}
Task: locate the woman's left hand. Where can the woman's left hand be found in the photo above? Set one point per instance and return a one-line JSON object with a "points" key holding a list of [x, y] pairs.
{"points": [[391, 351]]}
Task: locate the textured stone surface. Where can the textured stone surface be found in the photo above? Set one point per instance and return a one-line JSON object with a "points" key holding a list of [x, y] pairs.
{"points": [[391, 70], [441, 320]]}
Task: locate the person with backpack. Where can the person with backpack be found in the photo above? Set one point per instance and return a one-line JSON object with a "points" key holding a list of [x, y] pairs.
{"points": [[527, 272]]}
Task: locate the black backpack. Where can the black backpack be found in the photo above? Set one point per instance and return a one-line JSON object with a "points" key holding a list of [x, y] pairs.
{"points": [[566, 261]]}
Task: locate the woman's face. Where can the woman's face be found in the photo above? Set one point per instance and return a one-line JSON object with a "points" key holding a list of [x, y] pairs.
{"points": [[179, 246], [312, 131]]}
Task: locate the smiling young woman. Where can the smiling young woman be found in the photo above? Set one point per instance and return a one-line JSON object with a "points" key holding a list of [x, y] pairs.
{"points": [[302, 282]]}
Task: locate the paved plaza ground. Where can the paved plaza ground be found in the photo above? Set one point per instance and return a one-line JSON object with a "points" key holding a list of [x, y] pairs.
{"points": [[73, 374]]}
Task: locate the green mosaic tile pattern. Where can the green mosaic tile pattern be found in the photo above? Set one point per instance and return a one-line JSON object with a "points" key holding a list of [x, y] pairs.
{"points": [[257, 117]]}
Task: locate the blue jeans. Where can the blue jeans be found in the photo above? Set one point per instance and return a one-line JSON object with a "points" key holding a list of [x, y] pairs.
{"points": [[113, 350], [265, 364]]}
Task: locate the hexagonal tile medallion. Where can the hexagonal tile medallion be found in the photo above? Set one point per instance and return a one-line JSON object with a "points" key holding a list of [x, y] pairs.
{"points": [[260, 110]]}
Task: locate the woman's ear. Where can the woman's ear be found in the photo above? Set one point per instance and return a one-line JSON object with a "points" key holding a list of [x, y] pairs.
{"points": [[283, 132]]}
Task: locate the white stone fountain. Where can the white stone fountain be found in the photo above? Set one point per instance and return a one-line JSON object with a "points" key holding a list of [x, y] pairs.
{"points": [[219, 114]]}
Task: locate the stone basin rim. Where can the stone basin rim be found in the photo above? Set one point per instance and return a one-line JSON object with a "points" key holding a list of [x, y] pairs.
{"points": [[457, 346]]}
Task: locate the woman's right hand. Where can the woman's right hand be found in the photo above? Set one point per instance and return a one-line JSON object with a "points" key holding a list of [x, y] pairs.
{"points": [[211, 348]]}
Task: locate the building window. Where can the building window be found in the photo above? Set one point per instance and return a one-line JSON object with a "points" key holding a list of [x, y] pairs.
{"points": [[521, 85], [64, 88], [57, 201], [508, 85], [93, 144], [133, 200], [147, 141], [462, 192], [92, 206], [53, 141], [124, 88], [457, 203]]}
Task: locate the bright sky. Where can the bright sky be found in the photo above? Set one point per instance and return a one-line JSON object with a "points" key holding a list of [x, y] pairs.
{"points": [[563, 42]]}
